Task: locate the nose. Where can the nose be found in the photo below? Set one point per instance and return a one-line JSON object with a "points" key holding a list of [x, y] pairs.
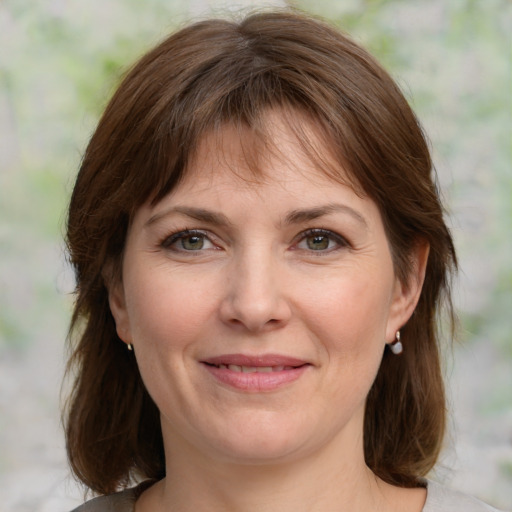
{"points": [[255, 299]]}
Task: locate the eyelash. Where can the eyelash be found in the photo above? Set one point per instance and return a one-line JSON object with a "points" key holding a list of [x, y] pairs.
{"points": [[340, 241], [183, 235], [320, 232]]}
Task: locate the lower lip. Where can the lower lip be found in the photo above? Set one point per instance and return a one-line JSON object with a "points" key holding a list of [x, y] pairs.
{"points": [[256, 382]]}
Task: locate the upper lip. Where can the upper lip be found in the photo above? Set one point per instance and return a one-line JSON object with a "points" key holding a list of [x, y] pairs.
{"points": [[254, 360]]}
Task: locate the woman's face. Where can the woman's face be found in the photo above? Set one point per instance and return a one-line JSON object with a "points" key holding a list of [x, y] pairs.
{"points": [[259, 308]]}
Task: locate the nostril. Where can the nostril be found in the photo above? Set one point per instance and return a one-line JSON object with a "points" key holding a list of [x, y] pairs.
{"points": [[254, 308]]}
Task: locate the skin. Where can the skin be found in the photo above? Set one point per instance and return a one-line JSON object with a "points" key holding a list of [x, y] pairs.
{"points": [[254, 280]]}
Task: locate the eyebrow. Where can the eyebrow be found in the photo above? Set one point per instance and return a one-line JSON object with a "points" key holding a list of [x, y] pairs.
{"points": [[294, 217], [200, 214], [305, 215]]}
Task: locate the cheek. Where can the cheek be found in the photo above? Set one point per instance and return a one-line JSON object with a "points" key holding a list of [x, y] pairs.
{"points": [[167, 314], [350, 320], [352, 310], [165, 309]]}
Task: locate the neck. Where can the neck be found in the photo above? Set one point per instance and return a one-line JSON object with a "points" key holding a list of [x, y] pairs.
{"points": [[297, 488], [333, 478]]}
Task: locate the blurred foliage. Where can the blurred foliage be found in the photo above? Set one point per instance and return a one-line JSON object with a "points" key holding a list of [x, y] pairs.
{"points": [[506, 468], [451, 58], [453, 61], [61, 59], [62, 62], [59, 62]]}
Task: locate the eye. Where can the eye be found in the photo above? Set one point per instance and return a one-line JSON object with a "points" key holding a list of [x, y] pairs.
{"points": [[320, 240], [188, 241]]}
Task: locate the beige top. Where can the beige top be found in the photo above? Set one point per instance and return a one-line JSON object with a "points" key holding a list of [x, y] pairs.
{"points": [[439, 499]]}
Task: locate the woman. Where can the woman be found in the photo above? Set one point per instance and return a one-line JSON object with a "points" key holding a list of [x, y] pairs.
{"points": [[256, 219]]}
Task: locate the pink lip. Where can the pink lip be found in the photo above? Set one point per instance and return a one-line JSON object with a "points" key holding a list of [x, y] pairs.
{"points": [[261, 360], [288, 370]]}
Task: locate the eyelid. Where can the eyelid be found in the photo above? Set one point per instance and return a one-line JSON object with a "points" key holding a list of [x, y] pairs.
{"points": [[169, 240], [339, 239]]}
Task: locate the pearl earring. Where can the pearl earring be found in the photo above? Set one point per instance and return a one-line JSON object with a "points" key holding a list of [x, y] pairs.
{"points": [[130, 347], [396, 347]]}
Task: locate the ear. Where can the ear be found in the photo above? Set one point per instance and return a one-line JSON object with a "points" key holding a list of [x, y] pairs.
{"points": [[117, 303], [406, 295]]}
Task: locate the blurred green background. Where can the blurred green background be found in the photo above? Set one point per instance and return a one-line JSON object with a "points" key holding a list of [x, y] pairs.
{"points": [[59, 63]]}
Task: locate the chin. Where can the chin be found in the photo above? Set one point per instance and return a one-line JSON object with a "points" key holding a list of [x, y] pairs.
{"points": [[260, 452], [265, 442]]}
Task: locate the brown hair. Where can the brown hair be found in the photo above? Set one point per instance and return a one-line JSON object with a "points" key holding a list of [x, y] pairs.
{"points": [[207, 74]]}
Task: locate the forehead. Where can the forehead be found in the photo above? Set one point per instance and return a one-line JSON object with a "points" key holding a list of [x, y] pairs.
{"points": [[243, 173], [277, 177], [284, 147]]}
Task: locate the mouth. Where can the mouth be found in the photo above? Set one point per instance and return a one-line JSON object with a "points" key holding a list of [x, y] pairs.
{"points": [[255, 373], [253, 369], [255, 363]]}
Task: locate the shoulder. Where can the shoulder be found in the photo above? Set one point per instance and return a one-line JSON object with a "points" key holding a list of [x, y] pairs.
{"points": [[443, 499], [120, 502], [123, 501]]}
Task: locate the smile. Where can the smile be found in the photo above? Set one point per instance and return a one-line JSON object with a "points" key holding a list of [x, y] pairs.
{"points": [[255, 373], [253, 369]]}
